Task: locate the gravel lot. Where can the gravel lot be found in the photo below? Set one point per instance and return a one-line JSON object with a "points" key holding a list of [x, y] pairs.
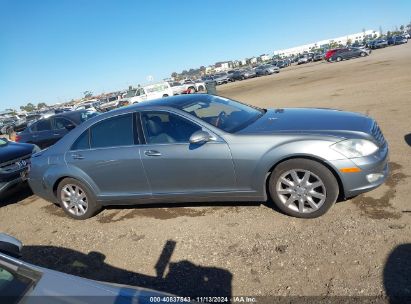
{"points": [[360, 247]]}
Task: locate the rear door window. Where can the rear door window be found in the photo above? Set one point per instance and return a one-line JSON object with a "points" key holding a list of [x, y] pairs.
{"points": [[61, 123], [113, 132], [41, 125]]}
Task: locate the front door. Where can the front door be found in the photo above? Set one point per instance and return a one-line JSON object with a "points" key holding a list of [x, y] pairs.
{"points": [[176, 167]]}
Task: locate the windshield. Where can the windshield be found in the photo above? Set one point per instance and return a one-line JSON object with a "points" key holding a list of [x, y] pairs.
{"points": [[225, 114]]}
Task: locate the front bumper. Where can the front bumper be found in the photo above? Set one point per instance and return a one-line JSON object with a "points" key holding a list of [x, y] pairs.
{"points": [[6, 185], [375, 165]]}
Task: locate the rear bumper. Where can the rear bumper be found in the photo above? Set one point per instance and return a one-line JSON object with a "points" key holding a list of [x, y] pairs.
{"points": [[374, 172], [39, 188]]}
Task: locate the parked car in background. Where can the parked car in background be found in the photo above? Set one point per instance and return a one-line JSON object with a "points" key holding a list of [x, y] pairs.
{"points": [[14, 163], [109, 103], [378, 43], [90, 105], [359, 44], [200, 85], [47, 131], [22, 282], [329, 54], [281, 63], [152, 152], [302, 60], [152, 91], [190, 86], [396, 40], [177, 87], [249, 73], [348, 53], [318, 57], [221, 78], [7, 125], [208, 79], [238, 75], [266, 70]]}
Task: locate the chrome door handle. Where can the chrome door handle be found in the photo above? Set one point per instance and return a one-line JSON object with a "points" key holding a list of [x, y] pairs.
{"points": [[77, 156], [152, 153]]}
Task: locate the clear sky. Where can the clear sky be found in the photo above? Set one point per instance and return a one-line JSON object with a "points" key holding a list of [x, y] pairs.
{"points": [[53, 50]]}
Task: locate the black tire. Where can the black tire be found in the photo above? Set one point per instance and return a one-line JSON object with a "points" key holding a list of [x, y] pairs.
{"points": [[338, 59], [92, 206], [200, 88], [191, 90], [363, 54], [165, 95], [329, 187]]}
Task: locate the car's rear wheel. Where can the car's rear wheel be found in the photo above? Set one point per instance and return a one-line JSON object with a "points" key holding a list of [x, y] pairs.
{"points": [[165, 95], [200, 88], [363, 54], [76, 199], [338, 59], [303, 188]]}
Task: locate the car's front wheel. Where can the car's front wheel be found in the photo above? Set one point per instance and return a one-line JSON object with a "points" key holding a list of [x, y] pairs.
{"points": [[303, 188], [76, 199]]}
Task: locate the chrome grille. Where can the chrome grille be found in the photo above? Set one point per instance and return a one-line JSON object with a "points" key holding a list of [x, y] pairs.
{"points": [[377, 134], [15, 164]]}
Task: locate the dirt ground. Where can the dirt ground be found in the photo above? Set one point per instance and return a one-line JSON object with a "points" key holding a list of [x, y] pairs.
{"points": [[361, 247]]}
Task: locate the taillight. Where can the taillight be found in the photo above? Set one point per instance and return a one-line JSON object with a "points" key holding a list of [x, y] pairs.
{"points": [[17, 138]]}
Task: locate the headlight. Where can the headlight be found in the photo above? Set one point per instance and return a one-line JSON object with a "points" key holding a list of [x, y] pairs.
{"points": [[352, 148]]}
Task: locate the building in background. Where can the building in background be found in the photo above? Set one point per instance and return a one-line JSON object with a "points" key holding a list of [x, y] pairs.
{"points": [[358, 37]]}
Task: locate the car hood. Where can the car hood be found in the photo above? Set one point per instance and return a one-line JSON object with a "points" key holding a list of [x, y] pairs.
{"points": [[310, 121], [14, 150]]}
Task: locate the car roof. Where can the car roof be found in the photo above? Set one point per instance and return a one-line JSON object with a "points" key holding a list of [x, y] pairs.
{"points": [[172, 101], [69, 114]]}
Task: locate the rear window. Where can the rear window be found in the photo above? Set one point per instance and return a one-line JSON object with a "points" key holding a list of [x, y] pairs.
{"points": [[113, 132], [41, 125]]}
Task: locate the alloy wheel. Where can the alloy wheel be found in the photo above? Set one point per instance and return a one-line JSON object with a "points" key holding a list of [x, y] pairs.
{"points": [[301, 191], [74, 199]]}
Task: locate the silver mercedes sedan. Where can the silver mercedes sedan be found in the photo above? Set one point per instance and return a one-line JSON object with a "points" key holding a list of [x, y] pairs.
{"points": [[202, 148]]}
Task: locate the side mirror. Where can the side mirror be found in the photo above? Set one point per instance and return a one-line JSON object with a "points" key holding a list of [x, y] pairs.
{"points": [[70, 127], [10, 246], [200, 137]]}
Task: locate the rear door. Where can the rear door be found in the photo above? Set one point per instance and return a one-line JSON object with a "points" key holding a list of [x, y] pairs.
{"points": [[178, 169], [109, 154]]}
